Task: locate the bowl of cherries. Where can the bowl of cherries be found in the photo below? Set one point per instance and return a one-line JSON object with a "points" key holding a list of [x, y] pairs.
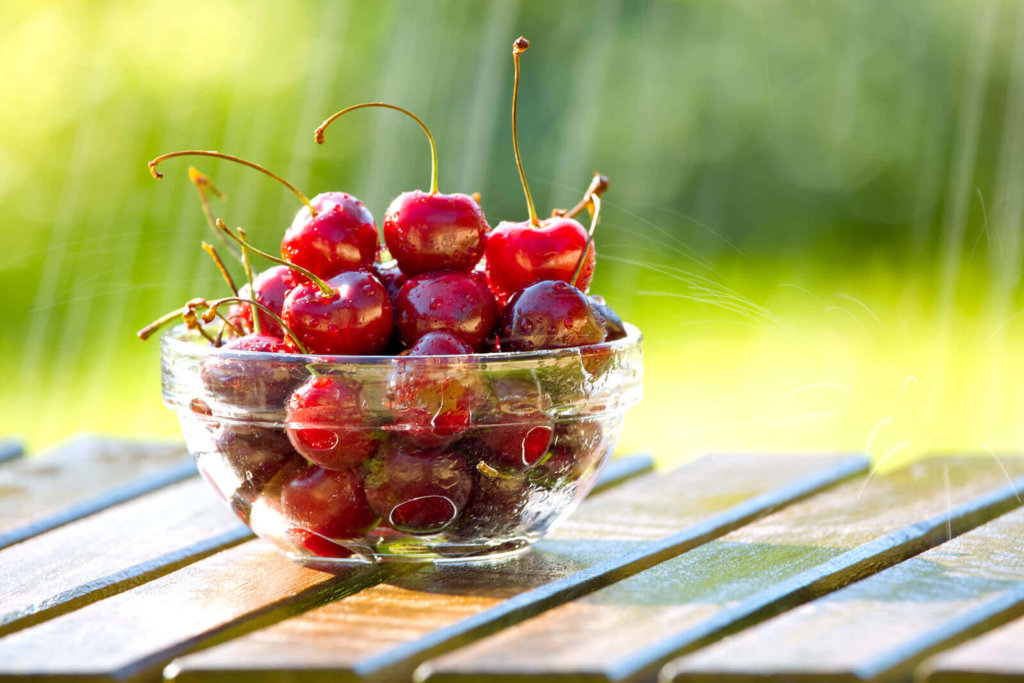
{"points": [[450, 395]]}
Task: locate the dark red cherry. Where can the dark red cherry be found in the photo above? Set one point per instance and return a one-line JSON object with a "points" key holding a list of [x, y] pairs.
{"points": [[329, 504], [356, 319], [419, 491], [342, 236], [446, 301], [425, 231], [245, 382], [549, 315], [254, 455], [519, 254], [433, 400], [495, 507], [577, 447], [612, 322], [520, 439], [328, 423], [272, 286], [390, 276]]}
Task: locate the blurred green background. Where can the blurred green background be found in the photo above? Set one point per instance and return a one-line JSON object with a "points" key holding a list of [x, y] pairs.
{"points": [[815, 210]]}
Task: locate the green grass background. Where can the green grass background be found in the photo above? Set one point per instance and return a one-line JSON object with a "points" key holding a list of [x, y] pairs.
{"points": [[814, 218]]}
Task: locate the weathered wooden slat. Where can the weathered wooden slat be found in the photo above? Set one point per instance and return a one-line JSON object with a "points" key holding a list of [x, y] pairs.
{"points": [[10, 449], [82, 477], [626, 631], [112, 551], [621, 469], [248, 585], [383, 632], [996, 657], [882, 626]]}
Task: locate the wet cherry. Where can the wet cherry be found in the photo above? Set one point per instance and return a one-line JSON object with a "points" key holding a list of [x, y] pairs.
{"points": [[355, 318], [446, 301], [549, 315], [326, 505], [237, 380], [427, 231], [328, 423], [419, 491], [342, 236], [271, 287]]}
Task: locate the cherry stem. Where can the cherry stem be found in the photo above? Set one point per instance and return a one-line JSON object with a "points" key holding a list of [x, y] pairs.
{"points": [[518, 48], [596, 200], [147, 331], [212, 251], [325, 288], [597, 187], [203, 184], [238, 160], [318, 134], [228, 323], [257, 326], [287, 330]]}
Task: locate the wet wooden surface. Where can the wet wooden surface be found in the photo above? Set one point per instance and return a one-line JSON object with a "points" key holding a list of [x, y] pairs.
{"points": [[882, 626], [997, 656], [111, 551], [626, 631], [81, 477], [745, 563]]}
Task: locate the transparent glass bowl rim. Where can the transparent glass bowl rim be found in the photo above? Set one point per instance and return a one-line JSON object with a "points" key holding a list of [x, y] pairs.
{"points": [[179, 341]]}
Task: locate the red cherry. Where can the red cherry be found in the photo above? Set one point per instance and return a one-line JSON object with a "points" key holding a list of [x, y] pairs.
{"points": [[419, 491], [342, 236], [433, 405], [327, 423], [262, 385], [446, 301], [272, 286], [549, 315], [390, 276], [522, 439], [426, 231], [328, 503], [519, 254], [356, 319]]}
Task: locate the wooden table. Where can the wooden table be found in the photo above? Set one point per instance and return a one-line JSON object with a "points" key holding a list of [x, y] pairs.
{"points": [[118, 563]]}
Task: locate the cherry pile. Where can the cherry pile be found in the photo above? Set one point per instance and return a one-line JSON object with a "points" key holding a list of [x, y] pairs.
{"points": [[445, 284]]}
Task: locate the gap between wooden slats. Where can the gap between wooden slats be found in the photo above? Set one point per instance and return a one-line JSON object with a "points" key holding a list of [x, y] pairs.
{"points": [[626, 631], [997, 656], [383, 632], [879, 628]]}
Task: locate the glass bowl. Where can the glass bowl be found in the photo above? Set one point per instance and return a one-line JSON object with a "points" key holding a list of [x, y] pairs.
{"points": [[390, 458]]}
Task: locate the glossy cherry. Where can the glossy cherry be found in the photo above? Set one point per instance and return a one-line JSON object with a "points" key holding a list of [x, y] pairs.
{"points": [[328, 423], [612, 322], [354, 319], [427, 231], [522, 438], [446, 301], [342, 236], [254, 455], [549, 315], [433, 401], [419, 491], [324, 506], [239, 381], [390, 276]]}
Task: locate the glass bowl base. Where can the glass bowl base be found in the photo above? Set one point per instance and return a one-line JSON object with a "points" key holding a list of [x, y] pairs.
{"points": [[445, 553]]}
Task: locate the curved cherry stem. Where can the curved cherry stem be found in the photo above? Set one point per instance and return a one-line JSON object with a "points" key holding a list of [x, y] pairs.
{"points": [[188, 315], [257, 326], [325, 288], [318, 134], [212, 251], [596, 199], [518, 48], [208, 316], [203, 183], [238, 160], [598, 186]]}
